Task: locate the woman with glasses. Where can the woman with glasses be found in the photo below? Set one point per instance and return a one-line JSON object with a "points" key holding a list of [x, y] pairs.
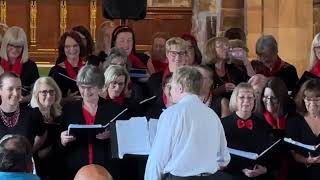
{"points": [[17, 119], [226, 76], [82, 149], [116, 89], [46, 96], [306, 129], [246, 132], [15, 58], [71, 53]]}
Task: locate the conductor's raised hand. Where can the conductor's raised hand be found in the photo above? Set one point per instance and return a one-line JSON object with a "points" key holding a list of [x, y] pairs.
{"points": [[66, 138]]}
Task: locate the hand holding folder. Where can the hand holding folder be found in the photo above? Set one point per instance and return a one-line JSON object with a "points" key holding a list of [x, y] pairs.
{"points": [[90, 130]]}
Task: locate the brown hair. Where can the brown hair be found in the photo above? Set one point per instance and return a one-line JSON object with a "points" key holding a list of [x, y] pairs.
{"points": [[75, 36], [309, 88], [210, 53], [280, 91]]}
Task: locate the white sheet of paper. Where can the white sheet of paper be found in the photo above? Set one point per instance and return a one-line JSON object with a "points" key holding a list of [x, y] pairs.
{"points": [[245, 154], [152, 129], [133, 136], [306, 146]]}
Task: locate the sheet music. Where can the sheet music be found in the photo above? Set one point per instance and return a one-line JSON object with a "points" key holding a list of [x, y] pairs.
{"points": [[296, 143], [245, 154], [153, 123], [133, 136]]}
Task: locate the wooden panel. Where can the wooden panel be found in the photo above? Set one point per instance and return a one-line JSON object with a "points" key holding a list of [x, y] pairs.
{"points": [[19, 19], [48, 24], [78, 13]]}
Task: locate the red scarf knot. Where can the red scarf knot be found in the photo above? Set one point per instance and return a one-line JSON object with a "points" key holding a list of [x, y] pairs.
{"points": [[245, 124]]}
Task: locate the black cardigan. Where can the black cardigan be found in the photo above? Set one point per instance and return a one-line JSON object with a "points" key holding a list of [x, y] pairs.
{"points": [[76, 153]]}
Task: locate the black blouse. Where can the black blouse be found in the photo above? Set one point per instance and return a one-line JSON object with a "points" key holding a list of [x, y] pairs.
{"points": [[255, 140], [76, 153], [30, 124], [64, 83], [299, 130]]}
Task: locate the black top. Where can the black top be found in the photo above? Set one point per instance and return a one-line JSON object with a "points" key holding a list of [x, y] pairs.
{"points": [[288, 74], [255, 140], [155, 108], [30, 124], [216, 105], [234, 75], [299, 130], [76, 153], [154, 84], [64, 83]]}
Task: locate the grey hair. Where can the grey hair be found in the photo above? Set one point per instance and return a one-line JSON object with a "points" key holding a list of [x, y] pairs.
{"points": [[116, 53], [90, 75], [266, 42]]}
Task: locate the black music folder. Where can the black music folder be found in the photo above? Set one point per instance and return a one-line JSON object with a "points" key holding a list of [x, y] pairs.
{"points": [[252, 155], [85, 130], [134, 136], [138, 73]]}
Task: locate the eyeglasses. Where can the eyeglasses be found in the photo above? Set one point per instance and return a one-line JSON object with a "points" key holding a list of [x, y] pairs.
{"points": [[15, 46], [312, 99], [46, 92], [177, 53], [242, 98], [270, 98], [113, 84], [224, 46]]}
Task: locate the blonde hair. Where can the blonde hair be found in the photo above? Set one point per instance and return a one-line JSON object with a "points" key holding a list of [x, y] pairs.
{"points": [[189, 78], [233, 99], [112, 73], [210, 53], [17, 37], [56, 107], [177, 42], [100, 44], [313, 57]]}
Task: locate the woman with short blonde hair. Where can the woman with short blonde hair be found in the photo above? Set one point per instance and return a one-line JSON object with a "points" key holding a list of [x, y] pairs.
{"points": [[247, 132], [15, 58]]}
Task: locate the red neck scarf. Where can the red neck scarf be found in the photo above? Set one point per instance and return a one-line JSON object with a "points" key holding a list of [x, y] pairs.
{"points": [[15, 68], [245, 124], [136, 62], [118, 100], [316, 69], [90, 119], [276, 67], [279, 123], [70, 70], [159, 65]]}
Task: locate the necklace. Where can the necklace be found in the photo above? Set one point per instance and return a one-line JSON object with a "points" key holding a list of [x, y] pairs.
{"points": [[12, 120]]}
